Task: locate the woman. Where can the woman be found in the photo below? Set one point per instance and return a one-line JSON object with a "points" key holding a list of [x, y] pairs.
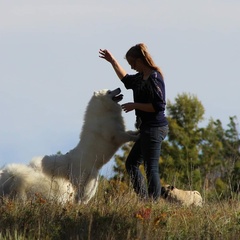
{"points": [[149, 105]]}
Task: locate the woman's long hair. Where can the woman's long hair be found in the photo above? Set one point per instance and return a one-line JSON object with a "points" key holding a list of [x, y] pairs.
{"points": [[140, 51]]}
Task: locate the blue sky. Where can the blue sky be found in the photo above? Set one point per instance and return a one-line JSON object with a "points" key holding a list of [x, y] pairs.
{"points": [[49, 64]]}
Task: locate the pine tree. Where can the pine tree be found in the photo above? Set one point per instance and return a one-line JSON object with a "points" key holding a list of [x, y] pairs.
{"points": [[231, 153], [211, 152], [180, 154]]}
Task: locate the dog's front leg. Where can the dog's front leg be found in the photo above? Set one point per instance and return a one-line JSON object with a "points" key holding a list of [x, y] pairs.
{"points": [[123, 137], [133, 135]]}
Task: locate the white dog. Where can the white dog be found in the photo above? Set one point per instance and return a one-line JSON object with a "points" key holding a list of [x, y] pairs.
{"points": [[185, 198], [102, 134], [18, 181]]}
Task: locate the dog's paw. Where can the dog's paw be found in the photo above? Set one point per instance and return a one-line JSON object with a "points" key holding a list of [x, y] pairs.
{"points": [[134, 135], [133, 132]]}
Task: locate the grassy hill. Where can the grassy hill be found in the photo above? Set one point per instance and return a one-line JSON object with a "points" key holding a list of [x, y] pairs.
{"points": [[116, 213]]}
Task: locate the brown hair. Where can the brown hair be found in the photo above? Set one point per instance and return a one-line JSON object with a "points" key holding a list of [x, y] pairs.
{"points": [[140, 51]]}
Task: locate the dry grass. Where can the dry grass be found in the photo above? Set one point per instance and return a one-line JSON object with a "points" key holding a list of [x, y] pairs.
{"points": [[116, 213]]}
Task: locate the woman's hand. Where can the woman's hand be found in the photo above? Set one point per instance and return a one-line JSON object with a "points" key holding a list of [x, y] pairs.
{"points": [[127, 107], [105, 54]]}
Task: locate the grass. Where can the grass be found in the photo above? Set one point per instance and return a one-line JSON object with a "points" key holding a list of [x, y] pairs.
{"points": [[116, 213]]}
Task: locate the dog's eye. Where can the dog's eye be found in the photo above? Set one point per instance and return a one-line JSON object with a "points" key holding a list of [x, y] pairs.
{"points": [[109, 92]]}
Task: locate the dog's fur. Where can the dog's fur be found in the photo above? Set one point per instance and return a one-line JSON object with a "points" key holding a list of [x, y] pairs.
{"points": [[103, 132], [18, 181], [185, 198]]}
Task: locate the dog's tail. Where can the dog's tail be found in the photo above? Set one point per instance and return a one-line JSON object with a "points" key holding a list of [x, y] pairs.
{"points": [[11, 180]]}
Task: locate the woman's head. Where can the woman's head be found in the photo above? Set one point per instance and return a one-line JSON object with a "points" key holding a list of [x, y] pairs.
{"points": [[140, 51]]}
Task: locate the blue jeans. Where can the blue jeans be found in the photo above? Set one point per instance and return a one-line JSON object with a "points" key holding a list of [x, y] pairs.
{"points": [[146, 150]]}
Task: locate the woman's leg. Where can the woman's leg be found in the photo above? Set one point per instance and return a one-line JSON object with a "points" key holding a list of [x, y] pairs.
{"points": [[151, 147], [132, 164]]}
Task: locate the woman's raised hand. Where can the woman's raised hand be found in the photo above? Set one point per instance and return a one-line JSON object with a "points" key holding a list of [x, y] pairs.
{"points": [[105, 54]]}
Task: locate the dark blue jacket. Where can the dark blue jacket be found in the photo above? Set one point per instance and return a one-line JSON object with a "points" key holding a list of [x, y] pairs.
{"points": [[152, 91]]}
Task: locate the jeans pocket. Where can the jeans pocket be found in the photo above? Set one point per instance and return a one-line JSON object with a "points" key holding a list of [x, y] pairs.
{"points": [[155, 133], [163, 131]]}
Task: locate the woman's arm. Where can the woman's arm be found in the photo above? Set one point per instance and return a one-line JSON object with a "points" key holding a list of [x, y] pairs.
{"points": [[105, 54], [145, 107]]}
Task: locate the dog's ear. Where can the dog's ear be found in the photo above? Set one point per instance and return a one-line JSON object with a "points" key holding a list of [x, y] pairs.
{"points": [[164, 192], [170, 187]]}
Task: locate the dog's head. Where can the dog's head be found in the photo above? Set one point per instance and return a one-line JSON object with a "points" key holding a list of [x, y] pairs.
{"points": [[105, 100], [111, 94], [165, 190]]}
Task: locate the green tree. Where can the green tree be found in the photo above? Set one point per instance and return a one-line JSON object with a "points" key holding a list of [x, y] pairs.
{"points": [[180, 154], [211, 152], [231, 154], [220, 162]]}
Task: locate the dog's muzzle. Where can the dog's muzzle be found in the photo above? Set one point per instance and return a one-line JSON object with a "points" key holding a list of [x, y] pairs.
{"points": [[116, 96]]}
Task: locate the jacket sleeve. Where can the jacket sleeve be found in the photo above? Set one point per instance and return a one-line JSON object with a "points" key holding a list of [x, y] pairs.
{"points": [[158, 85], [130, 81]]}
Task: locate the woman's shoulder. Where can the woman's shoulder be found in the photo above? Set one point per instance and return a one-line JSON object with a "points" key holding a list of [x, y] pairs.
{"points": [[156, 75]]}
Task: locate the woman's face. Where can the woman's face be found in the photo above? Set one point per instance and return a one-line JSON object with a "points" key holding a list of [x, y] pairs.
{"points": [[134, 63]]}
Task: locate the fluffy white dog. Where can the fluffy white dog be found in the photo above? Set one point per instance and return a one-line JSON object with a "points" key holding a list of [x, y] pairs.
{"points": [[102, 134], [18, 181], [185, 198]]}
